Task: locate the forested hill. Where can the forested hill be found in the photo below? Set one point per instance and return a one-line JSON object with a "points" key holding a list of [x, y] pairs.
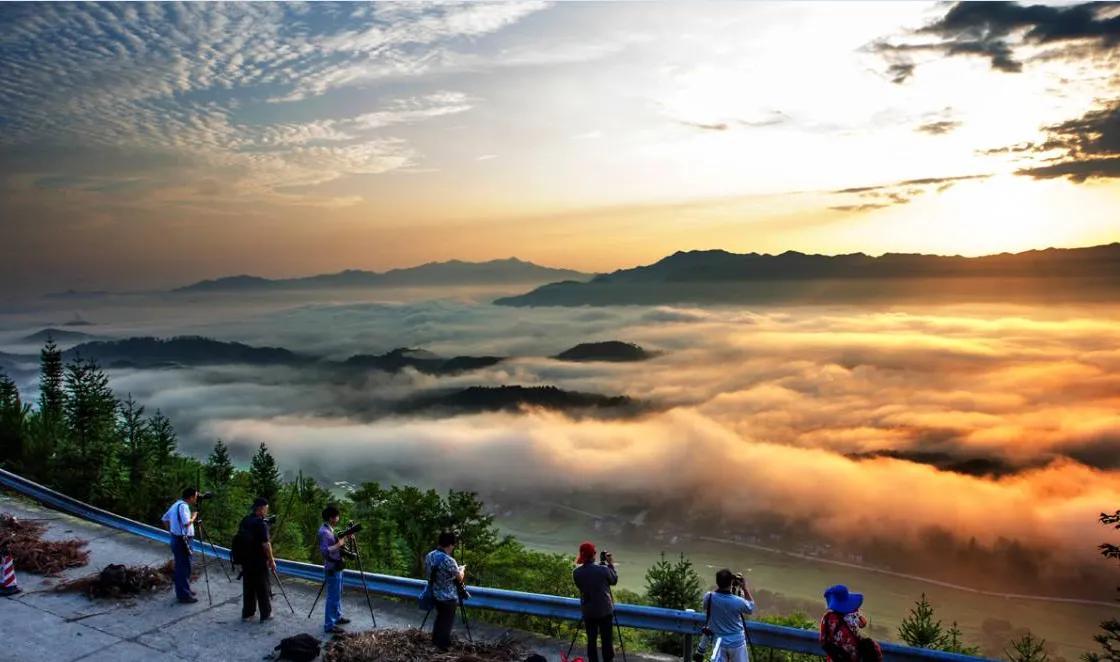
{"points": [[451, 273], [719, 276]]}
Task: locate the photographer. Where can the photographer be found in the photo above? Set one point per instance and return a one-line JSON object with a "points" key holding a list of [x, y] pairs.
{"points": [[330, 546], [257, 562], [179, 520], [594, 583], [725, 610], [445, 577]]}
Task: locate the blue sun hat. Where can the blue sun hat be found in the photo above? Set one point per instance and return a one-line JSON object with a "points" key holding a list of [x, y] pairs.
{"points": [[842, 601]]}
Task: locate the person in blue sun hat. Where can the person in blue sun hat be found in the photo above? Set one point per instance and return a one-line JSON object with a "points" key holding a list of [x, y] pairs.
{"points": [[841, 634]]}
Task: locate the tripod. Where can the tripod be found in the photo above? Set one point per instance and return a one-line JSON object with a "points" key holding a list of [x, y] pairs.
{"points": [[739, 590], [352, 549], [205, 539], [618, 628], [282, 591], [462, 614]]}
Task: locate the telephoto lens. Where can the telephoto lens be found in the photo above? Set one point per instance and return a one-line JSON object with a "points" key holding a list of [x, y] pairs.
{"points": [[205, 495], [271, 520]]}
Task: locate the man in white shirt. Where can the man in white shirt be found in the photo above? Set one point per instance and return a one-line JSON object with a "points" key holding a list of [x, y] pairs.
{"points": [[179, 520]]}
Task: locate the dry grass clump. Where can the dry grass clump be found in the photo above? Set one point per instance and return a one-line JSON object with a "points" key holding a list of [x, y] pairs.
{"points": [[30, 553], [118, 581], [414, 645]]}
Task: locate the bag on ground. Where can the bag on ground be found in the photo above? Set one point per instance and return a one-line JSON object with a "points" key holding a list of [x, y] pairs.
{"points": [[300, 648]]}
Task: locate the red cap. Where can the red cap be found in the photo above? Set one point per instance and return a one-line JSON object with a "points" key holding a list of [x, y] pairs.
{"points": [[586, 553]]}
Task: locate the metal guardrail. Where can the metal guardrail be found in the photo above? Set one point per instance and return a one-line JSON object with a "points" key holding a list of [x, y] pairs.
{"points": [[496, 599]]}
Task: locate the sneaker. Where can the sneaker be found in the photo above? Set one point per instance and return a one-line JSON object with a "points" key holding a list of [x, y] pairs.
{"points": [[335, 630], [190, 599], [265, 618], [343, 621]]}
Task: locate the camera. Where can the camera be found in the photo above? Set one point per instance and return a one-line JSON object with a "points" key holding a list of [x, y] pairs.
{"points": [[461, 589], [603, 556], [270, 520], [351, 528], [203, 496]]}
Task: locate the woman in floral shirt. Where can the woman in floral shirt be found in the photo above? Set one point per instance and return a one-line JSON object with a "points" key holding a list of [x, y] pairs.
{"points": [[840, 635]]}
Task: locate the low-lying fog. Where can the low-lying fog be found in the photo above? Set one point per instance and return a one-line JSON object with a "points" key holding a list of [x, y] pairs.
{"points": [[986, 421]]}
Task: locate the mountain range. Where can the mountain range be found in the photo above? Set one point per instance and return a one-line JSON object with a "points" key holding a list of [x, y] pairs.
{"points": [[453, 272], [717, 276]]}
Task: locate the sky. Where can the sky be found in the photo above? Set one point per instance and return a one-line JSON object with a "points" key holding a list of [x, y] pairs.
{"points": [[150, 145]]}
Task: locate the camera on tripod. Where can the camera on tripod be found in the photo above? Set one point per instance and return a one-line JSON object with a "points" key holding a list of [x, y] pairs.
{"points": [[270, 520], [351, 528], [203, 496]]}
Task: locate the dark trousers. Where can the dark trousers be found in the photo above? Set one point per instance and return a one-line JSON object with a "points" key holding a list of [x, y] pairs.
{"points": [[600, 628], [182, 568], [445, 618], [254, 591]]}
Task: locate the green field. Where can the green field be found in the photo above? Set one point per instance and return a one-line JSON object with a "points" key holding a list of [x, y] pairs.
{"points": [[1069, 627]]}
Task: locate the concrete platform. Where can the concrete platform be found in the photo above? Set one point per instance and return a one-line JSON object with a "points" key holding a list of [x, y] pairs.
{"points": [[44, 626]]}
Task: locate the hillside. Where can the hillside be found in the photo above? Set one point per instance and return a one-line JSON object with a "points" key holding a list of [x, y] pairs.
{"points": [[717, 276], [610, 350], [451, 273]]}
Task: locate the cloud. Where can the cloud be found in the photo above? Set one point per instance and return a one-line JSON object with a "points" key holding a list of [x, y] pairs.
{"points": [[938, 128], [997, 30], [193, 83], [1084, 148], [897, 193]]}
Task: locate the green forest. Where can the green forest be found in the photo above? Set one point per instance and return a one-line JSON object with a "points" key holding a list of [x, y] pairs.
{"points": [[84, 441]]}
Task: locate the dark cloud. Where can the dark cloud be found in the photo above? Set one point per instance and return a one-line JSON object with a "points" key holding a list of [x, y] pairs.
{"points": [[1088, 147], [1078, 171], [939, 127], [900, 71], [994, 30]]}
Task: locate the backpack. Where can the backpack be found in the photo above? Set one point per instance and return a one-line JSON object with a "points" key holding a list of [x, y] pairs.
{"points": [[241, 549], [300, 648]]}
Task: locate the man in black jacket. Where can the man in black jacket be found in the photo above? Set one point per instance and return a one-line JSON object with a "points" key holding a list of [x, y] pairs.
{"points": [[257, 564], [594, 583]]}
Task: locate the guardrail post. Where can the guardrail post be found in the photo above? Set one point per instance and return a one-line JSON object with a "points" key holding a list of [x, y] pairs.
{"points": [[688, 643]]}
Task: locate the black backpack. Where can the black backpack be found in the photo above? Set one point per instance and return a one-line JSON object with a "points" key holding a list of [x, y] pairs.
{"points": [[241, 549], [300, 648]]}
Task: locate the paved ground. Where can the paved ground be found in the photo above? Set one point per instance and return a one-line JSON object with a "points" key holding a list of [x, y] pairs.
{"points": [[41, 625]]}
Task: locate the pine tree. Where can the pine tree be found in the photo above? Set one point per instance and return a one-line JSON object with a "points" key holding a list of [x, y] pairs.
{"points": [[12, 416], [264, 478], [88, 462], [675, 586], [1028, 648], [219, 468], [952, 642], [136, 459], [1109, 637], [919, 628], [162, 440], [51, 396]]}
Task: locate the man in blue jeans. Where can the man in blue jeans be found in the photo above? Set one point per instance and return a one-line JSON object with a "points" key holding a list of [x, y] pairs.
{"points": [[330, 546], [179, 520]]}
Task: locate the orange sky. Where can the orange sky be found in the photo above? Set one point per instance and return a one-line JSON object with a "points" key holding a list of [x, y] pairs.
{"points": [[272, 141]]}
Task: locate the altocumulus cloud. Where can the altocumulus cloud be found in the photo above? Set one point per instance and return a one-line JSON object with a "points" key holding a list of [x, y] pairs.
{"points": [[217, 87]]}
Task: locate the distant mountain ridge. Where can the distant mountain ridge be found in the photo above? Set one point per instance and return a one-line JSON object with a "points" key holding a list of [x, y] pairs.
{"points": [[720, 276], [452, 272]]}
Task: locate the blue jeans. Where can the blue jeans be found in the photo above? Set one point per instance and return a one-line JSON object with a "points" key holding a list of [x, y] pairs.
{"points": [[333, 611], [182, 568]]}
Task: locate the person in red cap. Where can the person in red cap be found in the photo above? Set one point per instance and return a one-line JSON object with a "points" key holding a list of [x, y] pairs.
{"points": [[594, 583]]}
